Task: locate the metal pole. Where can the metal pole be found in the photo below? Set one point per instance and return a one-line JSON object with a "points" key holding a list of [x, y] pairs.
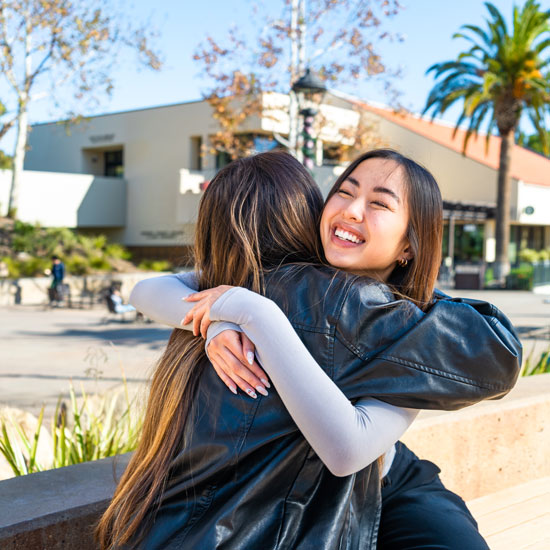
{"points": [[294, 75], [308, 143]]}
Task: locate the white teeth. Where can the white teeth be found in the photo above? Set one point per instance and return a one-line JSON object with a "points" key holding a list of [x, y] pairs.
{"points": [[346, 236]]}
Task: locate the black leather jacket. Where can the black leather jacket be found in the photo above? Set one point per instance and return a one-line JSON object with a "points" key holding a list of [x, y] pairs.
{"points": [[249, 480]]}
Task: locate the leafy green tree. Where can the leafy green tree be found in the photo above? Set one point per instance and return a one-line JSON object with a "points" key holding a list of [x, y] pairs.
{"points": [[5, 161], [65, 51], [503, 75], [533, 142]]}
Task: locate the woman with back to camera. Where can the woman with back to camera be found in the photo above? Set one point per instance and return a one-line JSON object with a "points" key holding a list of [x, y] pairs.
{"points": [[244, 457]]}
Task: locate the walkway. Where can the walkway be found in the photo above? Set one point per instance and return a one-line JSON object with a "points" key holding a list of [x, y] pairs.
{"points": [[517, 518]]}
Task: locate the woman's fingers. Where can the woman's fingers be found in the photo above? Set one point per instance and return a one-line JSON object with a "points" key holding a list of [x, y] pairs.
{"points": [[248, 352], [205, 323], [225, 351], [198, 313], [225, 379]]}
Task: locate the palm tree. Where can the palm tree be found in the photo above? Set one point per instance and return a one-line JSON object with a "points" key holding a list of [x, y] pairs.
{"points": [[502, 76]]}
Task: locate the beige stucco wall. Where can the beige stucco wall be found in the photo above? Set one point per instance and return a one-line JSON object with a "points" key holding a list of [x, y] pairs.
{"points": [[71, 200], [460, 178], [162, 199], [156, 145]]}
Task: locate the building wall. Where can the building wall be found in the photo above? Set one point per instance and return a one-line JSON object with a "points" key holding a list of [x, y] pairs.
{"points": [[460, 178], [57, 199], [156, 144]]}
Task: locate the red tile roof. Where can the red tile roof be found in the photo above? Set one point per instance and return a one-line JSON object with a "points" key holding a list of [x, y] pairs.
{"points": [[526, 166]]}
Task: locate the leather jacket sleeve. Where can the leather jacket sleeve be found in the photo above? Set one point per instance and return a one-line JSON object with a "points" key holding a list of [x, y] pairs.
{"points": [[453, 355]]}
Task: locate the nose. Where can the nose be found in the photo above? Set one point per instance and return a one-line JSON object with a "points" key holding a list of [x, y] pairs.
{"points": [[354, 211]]}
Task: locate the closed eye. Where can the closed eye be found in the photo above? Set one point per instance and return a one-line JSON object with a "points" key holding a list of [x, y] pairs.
{"points": [[380, 203], [344, 193]]}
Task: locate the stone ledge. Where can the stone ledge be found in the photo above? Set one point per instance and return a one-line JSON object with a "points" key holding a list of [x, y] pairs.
{"points": [[57, 509], [492, 445], [482, 449]]}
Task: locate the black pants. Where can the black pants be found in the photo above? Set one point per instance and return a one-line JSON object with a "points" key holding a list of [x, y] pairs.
{"points": [[419, 513]]}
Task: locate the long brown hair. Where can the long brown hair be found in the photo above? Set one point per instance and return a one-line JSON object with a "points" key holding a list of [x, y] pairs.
{"points": [[416, 281], [257, 213]]}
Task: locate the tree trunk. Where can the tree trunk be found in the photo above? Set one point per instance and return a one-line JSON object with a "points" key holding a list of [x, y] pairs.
{"points": [[502, 262], [18, 160]]}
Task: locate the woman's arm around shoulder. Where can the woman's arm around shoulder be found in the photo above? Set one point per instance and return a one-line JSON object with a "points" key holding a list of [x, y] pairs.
{"points": [[346, 437]]}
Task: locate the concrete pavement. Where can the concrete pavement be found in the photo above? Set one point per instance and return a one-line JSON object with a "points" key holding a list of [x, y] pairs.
{"points": [[42, 349]]}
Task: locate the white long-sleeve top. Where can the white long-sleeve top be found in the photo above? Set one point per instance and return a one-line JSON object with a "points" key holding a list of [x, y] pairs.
{"points": [[346, 437]]}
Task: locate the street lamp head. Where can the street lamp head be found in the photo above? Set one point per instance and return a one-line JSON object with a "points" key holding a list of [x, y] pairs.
{"points": [[310, 87]]}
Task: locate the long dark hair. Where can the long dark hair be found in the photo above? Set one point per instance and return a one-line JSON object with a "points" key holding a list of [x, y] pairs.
{"points": [[257, 213], [416, 281]]}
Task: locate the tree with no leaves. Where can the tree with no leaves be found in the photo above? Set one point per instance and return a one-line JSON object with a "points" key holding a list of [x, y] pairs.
{"points": [[65, 51], [503, 75], [339, 39]]}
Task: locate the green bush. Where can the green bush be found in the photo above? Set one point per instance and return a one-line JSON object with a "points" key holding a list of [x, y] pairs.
{"points": [[77, 265], [117, 251], [101, 263], [528, 255], [520, 278], [80, 433], [541, 366], [531, 256], [14, 270], [155, 265], [81, 253], [33, 267]]}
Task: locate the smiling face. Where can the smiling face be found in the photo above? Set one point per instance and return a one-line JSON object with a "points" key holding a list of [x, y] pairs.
{"points": [[364, 224]]}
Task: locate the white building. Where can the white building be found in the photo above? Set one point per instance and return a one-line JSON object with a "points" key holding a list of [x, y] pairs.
{"points": [[137, 175]]}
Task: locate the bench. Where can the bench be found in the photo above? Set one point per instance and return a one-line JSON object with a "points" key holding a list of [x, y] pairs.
{"points": [[517, 518]]}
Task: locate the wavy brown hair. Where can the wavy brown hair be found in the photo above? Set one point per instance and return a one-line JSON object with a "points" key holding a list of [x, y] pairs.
{"points": [[257, 213], [416, 281]]}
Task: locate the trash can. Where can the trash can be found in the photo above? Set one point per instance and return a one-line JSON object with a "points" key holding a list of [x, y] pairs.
{"points": [[470, 276]]}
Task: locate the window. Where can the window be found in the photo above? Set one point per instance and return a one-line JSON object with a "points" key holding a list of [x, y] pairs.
{"points": [[113, 164], [195, 161]]}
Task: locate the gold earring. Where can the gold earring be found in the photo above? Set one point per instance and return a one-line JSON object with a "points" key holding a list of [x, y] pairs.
{"points": [[403, 262]]}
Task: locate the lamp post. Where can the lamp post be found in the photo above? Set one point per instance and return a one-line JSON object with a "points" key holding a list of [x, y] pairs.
{"points": [[310, 91]]}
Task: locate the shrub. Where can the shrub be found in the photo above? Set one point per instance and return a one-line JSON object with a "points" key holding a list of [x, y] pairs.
{"points": [[77, 265], [100, 427], [32, 267], [520, 278], [14, 270], [528, 255], [155, 265], [117, 251], [100, 262], [541, 366]]}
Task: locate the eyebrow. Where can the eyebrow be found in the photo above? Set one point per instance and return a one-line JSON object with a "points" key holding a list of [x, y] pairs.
{"points": [[377, 189]]}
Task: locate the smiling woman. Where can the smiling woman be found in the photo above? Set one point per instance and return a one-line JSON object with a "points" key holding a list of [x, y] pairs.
{"points": [[364, 224], [383, 213]]}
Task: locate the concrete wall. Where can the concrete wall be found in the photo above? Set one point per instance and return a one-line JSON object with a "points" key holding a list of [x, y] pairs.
{"points": [[488, 447], [84, 290], [58, 199], [491, 446]]}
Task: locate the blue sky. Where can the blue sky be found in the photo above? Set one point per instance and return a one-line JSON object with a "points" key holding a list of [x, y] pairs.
{"points": [[426, 24]]}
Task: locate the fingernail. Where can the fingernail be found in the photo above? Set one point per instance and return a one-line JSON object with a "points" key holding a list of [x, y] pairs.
{"points": [[250, 357], [265, 382], [261, 390], [233, 389], [252, 393]]}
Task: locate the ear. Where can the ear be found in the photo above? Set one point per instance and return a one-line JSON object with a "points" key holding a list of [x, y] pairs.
{"points": [[407, 253]]}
